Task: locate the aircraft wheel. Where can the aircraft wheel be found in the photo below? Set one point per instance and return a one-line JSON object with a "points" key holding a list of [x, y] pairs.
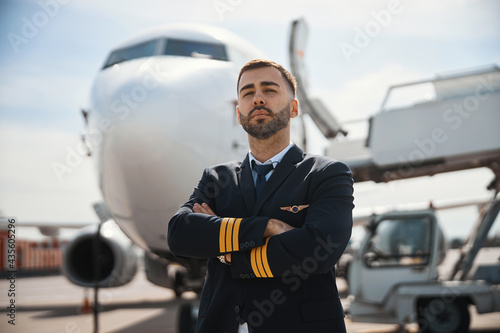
{"points": [[187, 319], [178, 292], [439, 316], [178, 287]]}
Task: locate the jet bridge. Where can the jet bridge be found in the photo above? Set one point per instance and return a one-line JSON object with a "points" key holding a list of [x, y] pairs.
{"points": [[449, 123]]}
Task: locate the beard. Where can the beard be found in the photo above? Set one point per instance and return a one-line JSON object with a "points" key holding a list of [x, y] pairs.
{"points": [[264, 131]]}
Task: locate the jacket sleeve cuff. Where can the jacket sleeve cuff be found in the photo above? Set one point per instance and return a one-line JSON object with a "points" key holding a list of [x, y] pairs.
{"points": [[236, 234], [251, 264]]}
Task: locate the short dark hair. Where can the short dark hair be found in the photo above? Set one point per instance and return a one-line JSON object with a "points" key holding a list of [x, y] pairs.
{"points": [[260, 63]]}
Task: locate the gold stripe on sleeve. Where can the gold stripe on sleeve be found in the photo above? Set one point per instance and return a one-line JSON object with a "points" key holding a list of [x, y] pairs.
{"points": [[259, 262], [229, 235], [236, 241], [253, 262], [264, 260], [222, 235]]}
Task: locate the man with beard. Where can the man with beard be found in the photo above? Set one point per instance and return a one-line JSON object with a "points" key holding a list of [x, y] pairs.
{"points": [[273, 226]]}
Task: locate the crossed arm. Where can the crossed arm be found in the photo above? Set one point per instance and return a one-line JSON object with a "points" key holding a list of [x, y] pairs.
{"points": [[262, 246], [274, 226]]}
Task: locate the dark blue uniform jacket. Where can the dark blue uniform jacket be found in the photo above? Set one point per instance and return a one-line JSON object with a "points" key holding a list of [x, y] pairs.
{"points": [[285, 283]]}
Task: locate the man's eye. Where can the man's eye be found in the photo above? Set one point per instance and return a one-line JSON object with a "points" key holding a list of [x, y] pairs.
{"points": [[248, 93], [270, 90]]}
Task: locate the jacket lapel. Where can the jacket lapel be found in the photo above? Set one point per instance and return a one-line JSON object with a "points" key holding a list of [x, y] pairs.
{"points": [[283, 169], [247, 187]]}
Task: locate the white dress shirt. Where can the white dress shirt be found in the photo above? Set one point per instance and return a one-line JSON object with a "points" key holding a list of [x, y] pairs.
{"points": [[275, 160]]}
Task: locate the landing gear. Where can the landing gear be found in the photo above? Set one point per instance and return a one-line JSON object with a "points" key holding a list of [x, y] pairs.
{"points": [[178, 284], [188, 314]]}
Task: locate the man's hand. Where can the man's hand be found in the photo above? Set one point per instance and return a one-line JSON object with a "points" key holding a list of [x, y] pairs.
{"points": [[276, 227], [203, 209]]}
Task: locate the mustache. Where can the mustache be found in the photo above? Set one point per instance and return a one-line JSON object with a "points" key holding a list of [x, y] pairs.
{"points": [[260, 108]]}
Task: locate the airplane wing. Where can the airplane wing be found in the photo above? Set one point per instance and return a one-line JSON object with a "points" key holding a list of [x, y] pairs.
{"points": [[48, 228], [51, 228]]}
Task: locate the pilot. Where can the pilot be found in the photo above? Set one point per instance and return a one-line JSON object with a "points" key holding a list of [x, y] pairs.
{"points": [[273, 226]]}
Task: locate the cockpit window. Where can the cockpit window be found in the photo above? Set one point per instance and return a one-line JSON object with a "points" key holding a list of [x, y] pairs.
{"points": [[193, 49], [175, 47], [146, 49]]}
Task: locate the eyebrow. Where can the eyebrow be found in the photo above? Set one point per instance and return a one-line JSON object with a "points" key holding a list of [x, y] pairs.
{"points": [[263, 83]]}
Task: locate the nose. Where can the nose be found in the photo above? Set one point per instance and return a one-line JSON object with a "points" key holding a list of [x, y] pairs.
{"points": [[258, 100]]}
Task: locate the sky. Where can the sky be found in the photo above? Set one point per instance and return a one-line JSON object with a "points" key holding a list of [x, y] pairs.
{"points": [[51, 50]]}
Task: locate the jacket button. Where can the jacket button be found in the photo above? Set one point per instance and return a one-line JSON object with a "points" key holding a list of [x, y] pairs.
{"points": [[242, 275], [252, 243], [237, 309], [247, 244], [247, 276], [242, 245]]}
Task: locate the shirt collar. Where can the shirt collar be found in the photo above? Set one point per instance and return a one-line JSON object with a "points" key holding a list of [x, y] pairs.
{"points": [[275, 159]]}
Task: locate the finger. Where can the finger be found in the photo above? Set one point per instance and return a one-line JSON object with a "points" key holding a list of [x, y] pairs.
{"points": [[207, 208], [197, 208], [203, 209]]}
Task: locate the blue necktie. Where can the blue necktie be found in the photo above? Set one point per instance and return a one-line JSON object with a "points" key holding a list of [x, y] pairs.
{"points": [[262, 170]]}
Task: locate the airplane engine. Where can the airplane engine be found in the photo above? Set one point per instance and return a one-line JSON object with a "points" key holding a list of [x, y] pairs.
{"points": [[117, 262]]}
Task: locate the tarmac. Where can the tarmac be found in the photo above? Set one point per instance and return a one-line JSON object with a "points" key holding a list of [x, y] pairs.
{"points": [[53, 305]]}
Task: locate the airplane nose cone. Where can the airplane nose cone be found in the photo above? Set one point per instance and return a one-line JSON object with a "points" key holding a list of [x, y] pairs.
{"points": [[167, 121], [175, 93]]}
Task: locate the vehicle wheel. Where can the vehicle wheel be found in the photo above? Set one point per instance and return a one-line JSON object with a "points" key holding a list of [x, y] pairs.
{"points": [[438, 316]]}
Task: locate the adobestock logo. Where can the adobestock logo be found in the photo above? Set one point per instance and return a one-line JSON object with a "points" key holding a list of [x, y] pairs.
{"points": [[32, 26], [222, 7], [373, 28], [121, 107], [454, 118]]}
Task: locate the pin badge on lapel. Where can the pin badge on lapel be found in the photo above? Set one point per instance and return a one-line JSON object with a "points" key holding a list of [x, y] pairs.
{"points": [[294, 209]]}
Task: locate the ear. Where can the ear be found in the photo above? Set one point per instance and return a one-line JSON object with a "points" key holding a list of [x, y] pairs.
{"points": [[238, 112], [294, 112]]}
